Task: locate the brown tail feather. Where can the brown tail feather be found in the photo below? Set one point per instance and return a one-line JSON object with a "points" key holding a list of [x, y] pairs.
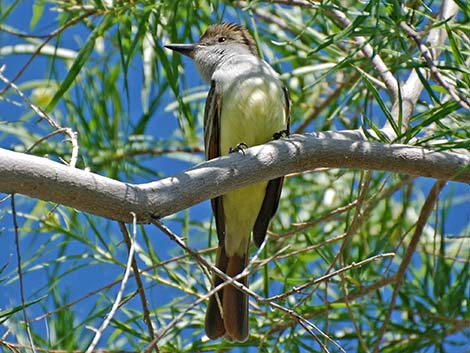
{"points": [[233, 302], [214, 323]]}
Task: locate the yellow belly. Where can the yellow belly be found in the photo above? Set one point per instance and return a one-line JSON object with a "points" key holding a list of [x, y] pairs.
{"points": [[253, 110]]}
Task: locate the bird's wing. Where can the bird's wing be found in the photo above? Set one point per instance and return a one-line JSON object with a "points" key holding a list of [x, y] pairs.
{"points": [[212, 147], [273, 191], [287, 107], [229, 301]]}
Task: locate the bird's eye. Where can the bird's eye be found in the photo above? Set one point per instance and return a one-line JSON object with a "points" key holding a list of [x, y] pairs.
{"points": [[222, 39]]}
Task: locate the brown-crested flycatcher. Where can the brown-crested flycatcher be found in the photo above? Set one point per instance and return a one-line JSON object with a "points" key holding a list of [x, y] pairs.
{"points": [[247, 105]]}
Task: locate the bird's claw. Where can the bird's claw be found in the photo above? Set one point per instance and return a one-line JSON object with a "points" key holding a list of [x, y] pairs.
{"points": [[279, 134], [238, 148]]}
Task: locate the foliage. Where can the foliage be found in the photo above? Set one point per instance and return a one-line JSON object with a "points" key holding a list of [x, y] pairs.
{"points": [[137, 109]]}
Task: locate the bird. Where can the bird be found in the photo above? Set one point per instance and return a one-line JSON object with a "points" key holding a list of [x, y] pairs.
{"points": [[247, 105]]}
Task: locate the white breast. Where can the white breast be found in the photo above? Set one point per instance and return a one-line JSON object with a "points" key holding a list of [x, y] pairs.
{"points": [[253, 102]]}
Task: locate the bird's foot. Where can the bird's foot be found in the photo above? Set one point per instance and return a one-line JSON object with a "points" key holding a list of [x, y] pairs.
{"points": [[279, 134], [238, 148]]}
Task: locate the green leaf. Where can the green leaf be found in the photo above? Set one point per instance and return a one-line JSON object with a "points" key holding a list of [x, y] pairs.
{"points": [[6, 314], [82, 58], [379, 135], [382, 105], [38, 8]]}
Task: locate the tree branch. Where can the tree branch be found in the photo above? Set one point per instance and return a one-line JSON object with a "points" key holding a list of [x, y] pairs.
{"points": [[427, 55], [50, 181], [413, 87]]}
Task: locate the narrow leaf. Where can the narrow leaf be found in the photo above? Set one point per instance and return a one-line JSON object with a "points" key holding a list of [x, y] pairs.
{"points": [[81, 59]]}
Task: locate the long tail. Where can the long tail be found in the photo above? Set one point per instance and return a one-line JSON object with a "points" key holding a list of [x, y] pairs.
{"points": [[233, 320]]}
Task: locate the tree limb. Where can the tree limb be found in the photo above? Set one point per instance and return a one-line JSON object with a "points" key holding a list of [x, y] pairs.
{"points": [[50, 181]]}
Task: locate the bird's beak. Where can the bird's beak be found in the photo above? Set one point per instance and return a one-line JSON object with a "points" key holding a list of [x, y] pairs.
{"points": [[186, 49]]}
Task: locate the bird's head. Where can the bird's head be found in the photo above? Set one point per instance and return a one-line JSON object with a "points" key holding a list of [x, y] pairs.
{"points": [[218, 43]]}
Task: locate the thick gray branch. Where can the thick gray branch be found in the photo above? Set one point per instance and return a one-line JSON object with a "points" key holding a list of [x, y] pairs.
{"points": [[47, 180]]}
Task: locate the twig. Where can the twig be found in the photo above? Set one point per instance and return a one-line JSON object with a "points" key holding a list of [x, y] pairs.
{"points": [[357, 329], [352, 318], [298, 227], [343, 21], [203, 262], [265, 15], [306, 326], [317, 109], [312, 247], [428, 56], [399, 276], [72, 136], [20, 273], [412, 88], [110, 285], [49, 38], [370, 204], [357, 217], [138, 280], [19, 348], [7, 29], [350, 297], [233, 281], [117, 301], [299, 3], [353, 265], [36, 109], [379, 65]]}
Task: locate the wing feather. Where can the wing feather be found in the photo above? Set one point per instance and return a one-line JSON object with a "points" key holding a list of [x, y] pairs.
{"points": [[212, 148], [273, 191], [212, 123], [214, 322]]}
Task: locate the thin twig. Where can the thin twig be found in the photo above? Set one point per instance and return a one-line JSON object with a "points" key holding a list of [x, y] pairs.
{"points": [[352, 318], [204, 263], [410, 91], [117, 301], [318, 108], [357, 218], [379, 65], [310, 248], [19, 348], [138, 280], [299, 3], [298, 227], [9, 30], [399, 276], [370, 205], [49, 38], [351, 266], [72, 136], [305, 325], [343, 21], [112, 284], [328, 305], [233, 281], [20, 273], [43, 115], [428, 56]]}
